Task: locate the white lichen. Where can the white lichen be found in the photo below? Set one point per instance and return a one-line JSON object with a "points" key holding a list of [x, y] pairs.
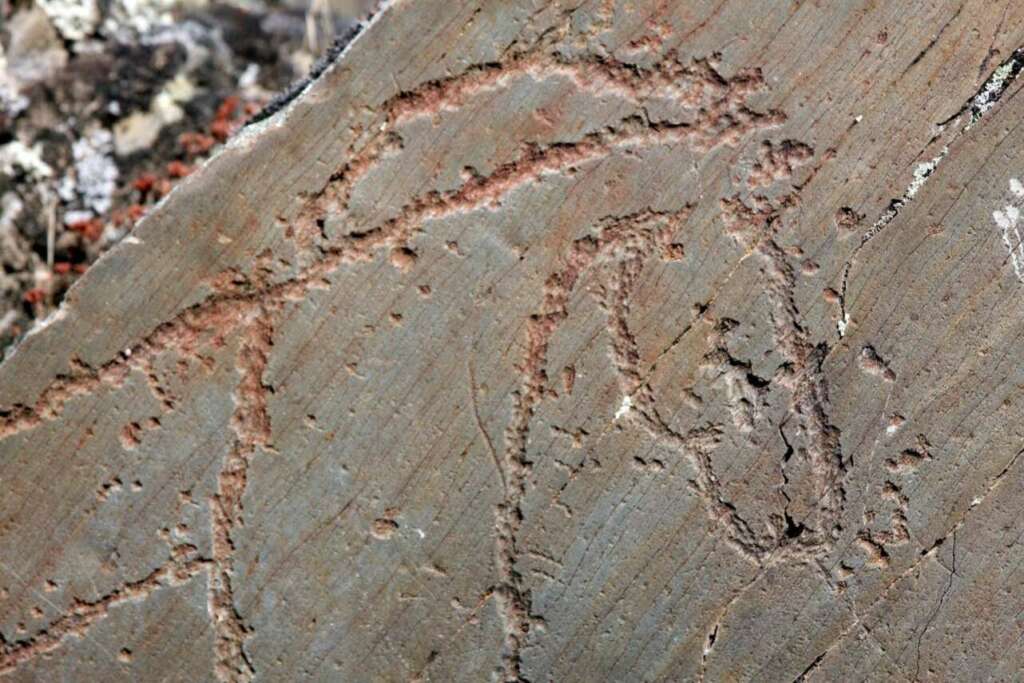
{"points": [[979, 105], [624, 407], [249, 77], [923, 171], [990, 92], [138, 16], [12, 102], [843, 324], [1007, 220], [95, 171], [16, 158], [74, 19]]}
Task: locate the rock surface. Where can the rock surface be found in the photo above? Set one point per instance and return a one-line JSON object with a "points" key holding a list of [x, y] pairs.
{"points": [[578, 341], [105, 106]]}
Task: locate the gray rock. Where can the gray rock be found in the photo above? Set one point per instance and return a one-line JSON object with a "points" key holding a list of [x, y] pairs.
{"points": [[579, 342]]}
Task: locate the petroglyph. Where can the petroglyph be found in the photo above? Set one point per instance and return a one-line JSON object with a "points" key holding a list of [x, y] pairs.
{"points": [[643, 243], [182, 566], [246, 305]]}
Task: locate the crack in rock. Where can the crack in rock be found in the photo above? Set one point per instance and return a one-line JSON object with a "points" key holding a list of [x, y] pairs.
{"points": [[975, 109]]}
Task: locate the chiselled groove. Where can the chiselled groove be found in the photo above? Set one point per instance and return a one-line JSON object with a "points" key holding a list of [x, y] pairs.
{"points": [[754, 224], [632, 238], [590, 567], [778, 162], [713, 111], [721, 117], [84, 380], [875, 544], [624, 248], [206, 323], [619, 252], [185, 334], [251, 425], [808, 407], [242, 302], [513, 602], [633, 244], [623, 244], [745, 398], [685, 84], [717, 114], [183, 565]]}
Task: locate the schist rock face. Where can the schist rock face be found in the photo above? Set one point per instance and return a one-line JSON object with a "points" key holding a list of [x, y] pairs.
{"points": [[577, 341]]}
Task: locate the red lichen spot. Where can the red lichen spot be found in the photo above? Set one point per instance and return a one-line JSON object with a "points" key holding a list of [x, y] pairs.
{"points": [[178, 169], [145, 182], [221, 129], [228, 107], [195, 143], [34, 296], [222, 125], [163, 186], [129, 215], [91, 228]]}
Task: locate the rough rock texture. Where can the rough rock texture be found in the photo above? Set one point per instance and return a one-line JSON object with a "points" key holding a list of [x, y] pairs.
{"points": [[560, 342], [104, 107]]}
